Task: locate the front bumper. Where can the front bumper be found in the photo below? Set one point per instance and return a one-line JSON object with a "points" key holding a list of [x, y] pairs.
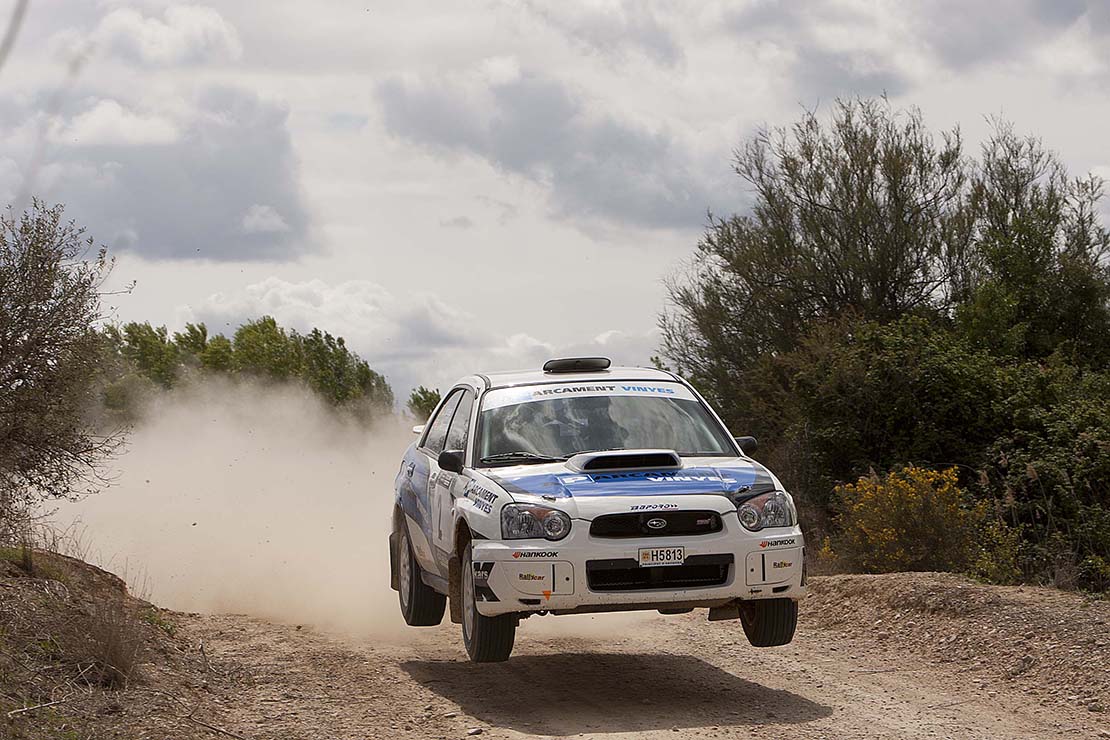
{"points": [[585, 573]]}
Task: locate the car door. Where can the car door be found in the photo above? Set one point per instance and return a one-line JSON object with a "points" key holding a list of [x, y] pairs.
{"points": [[449, 485], [426, 477]]}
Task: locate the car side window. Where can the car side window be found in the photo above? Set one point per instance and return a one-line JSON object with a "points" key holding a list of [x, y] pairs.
{"points": [[459, 430], [437, 427]]}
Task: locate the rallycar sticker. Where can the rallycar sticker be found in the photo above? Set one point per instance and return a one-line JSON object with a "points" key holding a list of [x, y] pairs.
{"points": [[482, 499], [782, 542], [512, 396], [482, 591], [727, 480]]}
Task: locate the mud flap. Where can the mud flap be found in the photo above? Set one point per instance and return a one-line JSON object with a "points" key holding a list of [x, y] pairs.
{"points": [[454, 589], [722, 613], [394, 579]]}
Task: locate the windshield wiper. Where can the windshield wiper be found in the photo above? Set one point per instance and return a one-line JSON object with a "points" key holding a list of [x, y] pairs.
{"points": [[519, 456]]}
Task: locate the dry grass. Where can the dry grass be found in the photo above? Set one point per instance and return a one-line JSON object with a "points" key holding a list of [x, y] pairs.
{"points": [[114, 644]]}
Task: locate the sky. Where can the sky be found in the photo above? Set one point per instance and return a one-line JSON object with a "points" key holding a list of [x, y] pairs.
{"points": [[457, 187]]}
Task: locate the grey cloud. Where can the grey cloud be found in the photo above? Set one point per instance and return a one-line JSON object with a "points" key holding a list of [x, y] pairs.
{"points": [[220, 184], [964, 35], [597, 168], [458, 222], [826, 74], [629, 25], [819, 71]]}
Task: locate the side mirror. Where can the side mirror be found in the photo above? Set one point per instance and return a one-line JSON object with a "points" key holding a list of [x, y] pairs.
{"points": [[451, 461], [747, 444], [418, 429]]}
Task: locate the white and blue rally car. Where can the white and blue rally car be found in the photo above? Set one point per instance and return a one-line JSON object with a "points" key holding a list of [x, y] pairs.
{"points": [[588, 488]]}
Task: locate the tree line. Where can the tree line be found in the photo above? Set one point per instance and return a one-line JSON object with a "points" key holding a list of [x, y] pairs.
{"points": [[892, 301], [138, 357]]}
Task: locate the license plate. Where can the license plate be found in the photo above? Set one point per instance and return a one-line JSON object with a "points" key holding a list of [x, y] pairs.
{"points": [[653, 557]]}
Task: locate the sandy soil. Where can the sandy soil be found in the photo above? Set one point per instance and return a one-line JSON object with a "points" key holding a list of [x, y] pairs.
{"points": [[672, 677]]}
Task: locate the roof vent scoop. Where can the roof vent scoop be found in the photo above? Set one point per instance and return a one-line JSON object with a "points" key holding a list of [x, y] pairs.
{"points": [[577, 365], [614, 460]]}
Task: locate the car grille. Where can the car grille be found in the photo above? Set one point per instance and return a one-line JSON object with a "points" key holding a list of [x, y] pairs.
{"points": [[626, 574], [636, 524]]}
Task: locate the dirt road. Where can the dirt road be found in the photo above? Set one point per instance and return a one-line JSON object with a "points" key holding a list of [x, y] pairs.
{"points": [[678, 677]]}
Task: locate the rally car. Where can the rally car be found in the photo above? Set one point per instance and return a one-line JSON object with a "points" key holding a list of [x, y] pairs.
{"points": [[588, 488]]}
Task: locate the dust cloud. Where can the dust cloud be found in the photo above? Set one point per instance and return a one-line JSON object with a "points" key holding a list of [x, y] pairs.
{"points": [[233, 498], [255, 500]]}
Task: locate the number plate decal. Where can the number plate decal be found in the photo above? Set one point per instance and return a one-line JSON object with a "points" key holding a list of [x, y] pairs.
{"points": [[653, 557]]}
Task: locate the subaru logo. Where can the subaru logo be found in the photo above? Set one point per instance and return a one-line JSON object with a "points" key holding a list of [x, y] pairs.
{"points": [[656, 523]]}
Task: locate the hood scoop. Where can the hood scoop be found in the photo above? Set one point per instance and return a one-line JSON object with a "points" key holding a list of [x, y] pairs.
{"points": [[618, 460]]}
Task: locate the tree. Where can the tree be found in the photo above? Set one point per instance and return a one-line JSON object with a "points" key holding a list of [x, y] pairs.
{"points": [[218, 355], [869, 216], [422, 402], [339, 375], [1041, 277], [50, 282], [264, 349], [152, 352]]}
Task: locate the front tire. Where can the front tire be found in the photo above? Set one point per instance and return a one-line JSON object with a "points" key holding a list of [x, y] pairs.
{"points": [[487, 639], [769, 622], [421, 605]]}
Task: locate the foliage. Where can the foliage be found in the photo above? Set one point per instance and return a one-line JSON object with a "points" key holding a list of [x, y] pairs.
{"points": [[1039, 262], [422, 402], [259, 349], [869, 217], [871, 395], [889, 300], [1050, 472], [50, 282], [911, 519]]}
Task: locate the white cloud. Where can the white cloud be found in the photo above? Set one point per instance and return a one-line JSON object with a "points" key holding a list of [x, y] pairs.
{"points": [[184, 34], [108, 123], [260, 219]]}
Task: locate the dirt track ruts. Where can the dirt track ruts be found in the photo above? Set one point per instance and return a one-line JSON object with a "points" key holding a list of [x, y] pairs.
{"points": [[674, 677]]}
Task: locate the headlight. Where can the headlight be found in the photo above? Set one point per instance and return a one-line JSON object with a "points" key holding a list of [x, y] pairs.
{"points": [[526, 521], [775, 509]]}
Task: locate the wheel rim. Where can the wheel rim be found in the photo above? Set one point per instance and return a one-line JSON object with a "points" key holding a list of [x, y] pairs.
{"points": [[405, 576], [469, 607]]}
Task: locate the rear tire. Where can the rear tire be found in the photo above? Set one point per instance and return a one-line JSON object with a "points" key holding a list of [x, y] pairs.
{"points": [[769, 622], [421, 605], [487, 639]]}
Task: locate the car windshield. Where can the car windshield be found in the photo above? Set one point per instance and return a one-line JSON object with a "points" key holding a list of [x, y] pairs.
{"points": [[544, 422]]}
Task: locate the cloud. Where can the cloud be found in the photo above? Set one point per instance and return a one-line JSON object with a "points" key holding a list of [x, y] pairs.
{"points": [[261, 219], [413, 338], [458, 222], [613, 29], [185, 34], [825, 50], [107, 123], [835, 49], [965, 35], [595, 166], [212, 178]]}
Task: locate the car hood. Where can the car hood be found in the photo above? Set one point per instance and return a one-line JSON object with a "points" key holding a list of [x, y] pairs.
{"points": [[715, 482]]}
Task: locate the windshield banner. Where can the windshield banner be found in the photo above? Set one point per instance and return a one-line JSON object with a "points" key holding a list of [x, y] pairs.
{"points": [[528, 394]]}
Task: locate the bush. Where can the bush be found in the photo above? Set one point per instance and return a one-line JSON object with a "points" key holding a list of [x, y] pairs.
{"points": [[113, 645], [913, 519], [1050, 473]]}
